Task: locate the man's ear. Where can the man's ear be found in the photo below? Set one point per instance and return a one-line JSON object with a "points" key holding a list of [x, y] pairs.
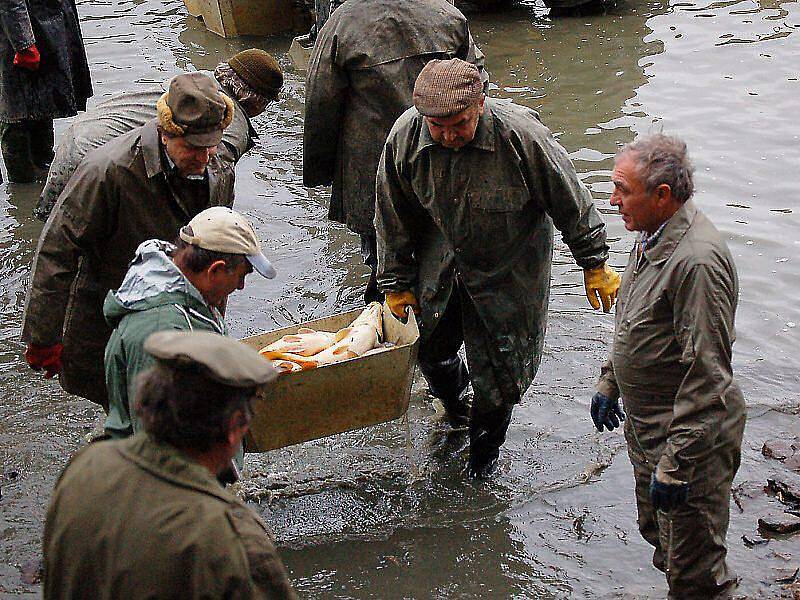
{"points": [[664, 193], [238, 426], [217, 266]]}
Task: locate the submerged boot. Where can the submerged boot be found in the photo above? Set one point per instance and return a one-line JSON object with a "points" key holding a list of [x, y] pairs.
{"points": [[42, 140], [15, 144], [457, 409], [487, 432]]}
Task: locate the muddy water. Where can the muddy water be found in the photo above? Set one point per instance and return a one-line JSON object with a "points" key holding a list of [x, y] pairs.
{"points": [[385, 512]]}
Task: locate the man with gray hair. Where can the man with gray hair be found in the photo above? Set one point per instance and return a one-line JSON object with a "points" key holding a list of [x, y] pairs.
{"points": [[468, 190], [252, 79], [671, 365]]}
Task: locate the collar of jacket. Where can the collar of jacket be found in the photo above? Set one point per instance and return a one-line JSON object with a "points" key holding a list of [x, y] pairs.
{"points": [[673, 233], [151, 149], [166, 462], [484, 134]]}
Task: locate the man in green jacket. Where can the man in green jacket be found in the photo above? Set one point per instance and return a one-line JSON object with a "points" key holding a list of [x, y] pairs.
{"points": [[145, 517], [174, 287], [468, 190], [671, 365]]}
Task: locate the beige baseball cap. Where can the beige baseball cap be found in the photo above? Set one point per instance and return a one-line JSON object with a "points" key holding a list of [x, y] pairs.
{"points": [[221, 229]]}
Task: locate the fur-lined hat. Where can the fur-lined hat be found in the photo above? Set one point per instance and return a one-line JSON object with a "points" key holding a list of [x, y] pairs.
{"points": [[195, 109]]}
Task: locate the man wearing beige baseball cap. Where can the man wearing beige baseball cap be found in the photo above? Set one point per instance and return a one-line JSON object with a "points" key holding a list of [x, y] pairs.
{"points": [[468, 190], [176, 286]]}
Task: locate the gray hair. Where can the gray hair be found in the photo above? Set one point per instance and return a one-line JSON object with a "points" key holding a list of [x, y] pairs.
{"points": [[663, 159]]}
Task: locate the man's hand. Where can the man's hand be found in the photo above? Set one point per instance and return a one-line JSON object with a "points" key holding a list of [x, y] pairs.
{"points": [[28, 58], [606, 412], [398, 301], [667, 493], [45, 358], [601, 282]]}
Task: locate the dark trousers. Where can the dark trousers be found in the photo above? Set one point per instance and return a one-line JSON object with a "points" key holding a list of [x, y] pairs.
{"points": [[369, 252], [448, 376], [27, 148]]}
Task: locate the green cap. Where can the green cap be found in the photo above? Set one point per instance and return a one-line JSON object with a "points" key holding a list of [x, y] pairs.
{"points": [[222, 359]]}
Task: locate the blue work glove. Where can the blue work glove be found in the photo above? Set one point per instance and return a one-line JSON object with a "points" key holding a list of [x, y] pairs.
{"points": [[606, 412], [666, 496]]}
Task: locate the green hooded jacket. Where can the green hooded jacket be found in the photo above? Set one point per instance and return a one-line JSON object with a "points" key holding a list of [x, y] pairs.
{"points": [[154, 296]]}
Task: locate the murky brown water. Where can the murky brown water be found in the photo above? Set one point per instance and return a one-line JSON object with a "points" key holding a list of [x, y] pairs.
{"points": [[385, 512]]}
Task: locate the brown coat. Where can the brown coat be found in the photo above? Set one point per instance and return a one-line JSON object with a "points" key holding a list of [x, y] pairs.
{"points": [[119, 197], [135, 519], [360, 80]]}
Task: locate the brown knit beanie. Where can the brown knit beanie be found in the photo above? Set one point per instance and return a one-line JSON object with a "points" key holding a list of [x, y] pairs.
{"points": [[259, 70], [446, 87]]}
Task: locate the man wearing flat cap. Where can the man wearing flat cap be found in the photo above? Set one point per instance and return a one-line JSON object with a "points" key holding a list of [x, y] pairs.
{"points": [[252, 79], [468, 191], [174, 287], [360, 79], [145, 517], [142, 185]]}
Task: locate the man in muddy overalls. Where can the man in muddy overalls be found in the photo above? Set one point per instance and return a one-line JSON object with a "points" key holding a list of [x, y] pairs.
{"points": [[671, 365], [360, 79], [145, 517], [468, 190], [44, 75], [142, 185], [252, 79]]}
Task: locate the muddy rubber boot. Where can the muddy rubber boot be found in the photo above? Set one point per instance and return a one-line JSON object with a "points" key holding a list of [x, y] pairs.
{"points": [[487, 433], [457, 409], [42, 142], [15, 145]]}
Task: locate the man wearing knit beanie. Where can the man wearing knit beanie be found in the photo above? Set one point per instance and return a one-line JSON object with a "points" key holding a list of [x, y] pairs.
{"points": [[468, 190], [251, 93], [360, 79]]}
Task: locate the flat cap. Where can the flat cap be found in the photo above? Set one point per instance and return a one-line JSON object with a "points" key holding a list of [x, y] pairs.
{"points": [[221, 358], [446, 87]]}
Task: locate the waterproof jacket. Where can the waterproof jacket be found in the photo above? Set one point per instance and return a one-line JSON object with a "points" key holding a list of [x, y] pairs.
{"points": [[360, 79], [484, 214], [61, 85], [154, 296], [136, 519], [120, 114], [671, 357], [119, 197]]}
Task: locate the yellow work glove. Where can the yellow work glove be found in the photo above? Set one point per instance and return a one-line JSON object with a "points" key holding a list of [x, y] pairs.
{"points": [[601, 282], [398, 301]]}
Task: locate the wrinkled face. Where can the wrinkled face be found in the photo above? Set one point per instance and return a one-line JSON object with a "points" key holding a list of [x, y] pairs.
{"points": [[639, 208], [221, 281], [457, 131], [190, 160]]}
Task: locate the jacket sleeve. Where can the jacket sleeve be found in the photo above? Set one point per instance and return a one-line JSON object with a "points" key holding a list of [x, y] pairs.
{"points": [[607, 384], [16, 24], [82, 219], [704, 306], [326, 90], [568, 202], [266, 570], [394, 225]]}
